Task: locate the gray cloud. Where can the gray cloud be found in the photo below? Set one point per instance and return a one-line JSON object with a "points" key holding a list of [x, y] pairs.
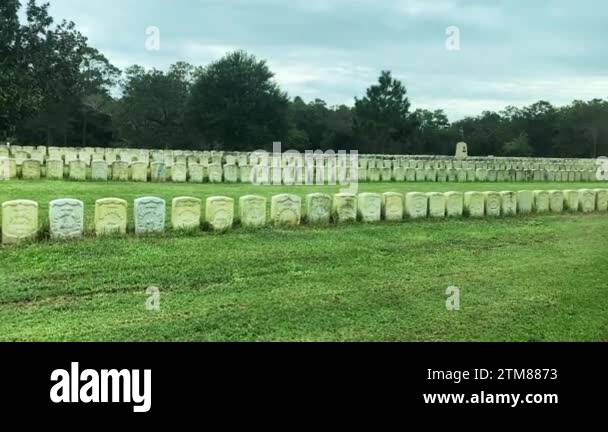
{"points": [[512, 52]]}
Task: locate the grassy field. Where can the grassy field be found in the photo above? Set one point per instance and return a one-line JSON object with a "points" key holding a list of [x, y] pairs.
{"points": [[536, 278]]}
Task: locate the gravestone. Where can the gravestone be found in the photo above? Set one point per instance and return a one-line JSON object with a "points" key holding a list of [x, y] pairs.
{"points": [[508, 203], [215, 173], [474, 204], [99, 170], [410, 174], [492, 203], [416, 205], [195, 173], [586, 200], [19, 221], [78, 170], [158, 172], [231, 173], [245, 173], [30, 169], [285, 209], [185, 213], [120, 171], [571, 200], [179, 172], [601, 202], [386, 174], [66, 219], [139, 172], [525, 201], [369, 207], [392, 206], [149, 214], [437, 204], [556, 201], [541, 201], [318, 208], [344, 207], [373, 174], [110, 216], [454, 204], [5, 169], [252, 211], [219, 212]]}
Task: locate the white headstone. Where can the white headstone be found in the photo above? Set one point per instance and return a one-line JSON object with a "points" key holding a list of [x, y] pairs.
{"points": [[369, 207], [149, 213], [66, 219]]}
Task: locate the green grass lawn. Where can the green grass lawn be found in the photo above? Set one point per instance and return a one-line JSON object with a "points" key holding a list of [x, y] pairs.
{"points": [[534, 278]]}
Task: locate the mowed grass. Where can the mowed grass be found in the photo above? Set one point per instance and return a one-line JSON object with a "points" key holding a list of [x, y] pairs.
{"points": [[525, 278]]}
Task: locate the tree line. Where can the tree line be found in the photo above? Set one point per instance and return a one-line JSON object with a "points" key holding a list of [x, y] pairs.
{"points": [[55, 89]]}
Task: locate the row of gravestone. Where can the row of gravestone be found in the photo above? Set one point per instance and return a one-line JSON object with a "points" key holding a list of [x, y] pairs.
{"points": [[230, 173], [66, 216], [87, 154]]}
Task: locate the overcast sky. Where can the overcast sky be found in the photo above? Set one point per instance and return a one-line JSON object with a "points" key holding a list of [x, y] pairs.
{"points": [[512, 52]]}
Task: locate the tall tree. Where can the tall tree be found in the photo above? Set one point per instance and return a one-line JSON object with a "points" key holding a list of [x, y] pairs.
{"points": [[236, 105], [382, 119], [151, 112]]}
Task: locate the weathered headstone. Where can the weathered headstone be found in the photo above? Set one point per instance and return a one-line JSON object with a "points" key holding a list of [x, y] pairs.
{"points": [[541, 201], [185, 213], [30, 169], [437, 204], [78, 170], [344, 207], [120, 171], [556, 201], [586, 200], [110, 216], [5, 169], [179, 172], [19, 221], [318, 208], [139, 172], [392, 206], [252, 211], [508, 203], [245, 172], [525, 201], [66, 219], [454, 204], [285, 209], [195, 173], [215, 173], [416, 205], [99, 170], [158, 171], [231, 173], [474, 204], [219, 212], [149, 214], [492, 203], [369, 207]]}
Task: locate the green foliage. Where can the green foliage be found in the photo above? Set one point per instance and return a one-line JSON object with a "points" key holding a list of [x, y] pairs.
{"points": [[47, 72], [382, 121], [152, 110], [234, 103], [519, 147]]}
